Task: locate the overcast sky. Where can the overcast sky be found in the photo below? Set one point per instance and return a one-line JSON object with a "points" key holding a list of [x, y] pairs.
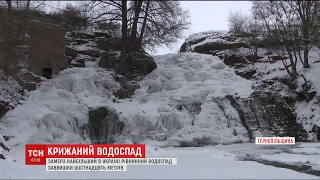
{"points": [[208, 15]]}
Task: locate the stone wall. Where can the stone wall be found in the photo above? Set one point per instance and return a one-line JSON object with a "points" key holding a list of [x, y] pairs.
{"points": [[46, 49]]}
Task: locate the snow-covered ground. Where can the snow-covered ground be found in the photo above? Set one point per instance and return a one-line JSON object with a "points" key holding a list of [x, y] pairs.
{"points": [[219, 162]]}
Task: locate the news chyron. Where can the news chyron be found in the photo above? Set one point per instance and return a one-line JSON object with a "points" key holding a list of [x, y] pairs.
{"points": [[97, 157]]}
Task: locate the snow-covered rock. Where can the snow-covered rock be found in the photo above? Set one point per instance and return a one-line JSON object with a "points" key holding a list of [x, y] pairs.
{"points": [[3, 148], [210, 42], [278, 104], [10, 93]]}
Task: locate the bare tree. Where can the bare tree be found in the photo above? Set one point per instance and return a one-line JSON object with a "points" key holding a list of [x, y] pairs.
{"points": [[9, 2], [145, 24], [307, 12], [26, 5], [237, 21], [134, 30], [75, 16], [11, 39], [124, 30], [306, 30], [164, 23], [279, 36], [253, 29]]}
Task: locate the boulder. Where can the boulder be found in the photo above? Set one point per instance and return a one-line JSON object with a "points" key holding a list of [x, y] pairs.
{"points": [[211, 42], [249, 74], [235, 60], [142, 62], [139, 64], [222, 44], [3, 148], [4, 108], [209, 47], [29, 81], [10, 93], [80, 60], [103, 125], [73, 53], [111, 44], [103, 34]]}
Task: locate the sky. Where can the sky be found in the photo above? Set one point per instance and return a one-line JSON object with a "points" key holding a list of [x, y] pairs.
{"points": [[206, 16]]}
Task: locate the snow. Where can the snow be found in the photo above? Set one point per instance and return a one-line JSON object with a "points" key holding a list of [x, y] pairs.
{"points": [[292, 158], [193, 163], [179, 102], [309, 113], [85, 47], [208, 34], [307, 151], [56, 111], [210, 37], [209, 41], [181, 80]]}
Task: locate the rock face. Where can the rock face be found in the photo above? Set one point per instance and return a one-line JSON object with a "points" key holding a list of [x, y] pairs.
{"points": [[3, 148], [10, 93], [139, 64], [83, 48], [103, 49], [267, 110], [103, 125], [4, 108], [212, 42], [110, 44], [46, 49], [233, 50]]}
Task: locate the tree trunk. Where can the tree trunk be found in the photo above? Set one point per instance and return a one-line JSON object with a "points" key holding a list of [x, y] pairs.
{"points": [[28, 5], [9, 2], [133, 39], [143, 25], [7, 44], [255, 54], [306, 58], [122, 64]]}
